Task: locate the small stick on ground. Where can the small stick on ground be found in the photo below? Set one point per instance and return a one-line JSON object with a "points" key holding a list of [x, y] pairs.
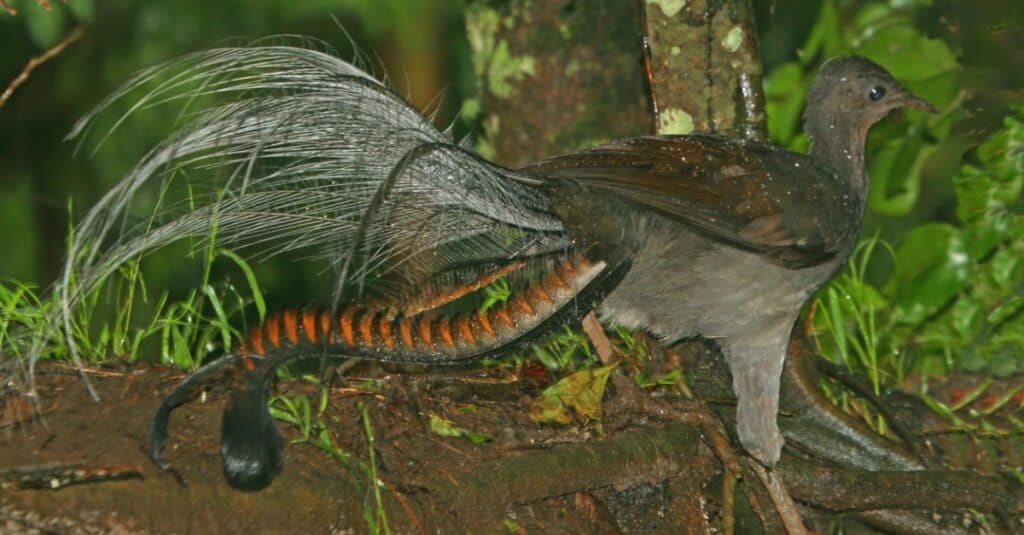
{"points": [[784, 504], [55, 476], [410, 514], [595, 332], [7, 7], [75, 35]]}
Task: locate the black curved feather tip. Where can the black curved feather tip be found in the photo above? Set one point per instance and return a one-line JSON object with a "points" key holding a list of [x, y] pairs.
{"points": [[251, 446], [188, 390]]}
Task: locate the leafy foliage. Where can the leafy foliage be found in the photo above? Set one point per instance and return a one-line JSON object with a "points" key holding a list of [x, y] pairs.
{"points": [[954, 298], [179, 332], [947, 296], [441, 426]]}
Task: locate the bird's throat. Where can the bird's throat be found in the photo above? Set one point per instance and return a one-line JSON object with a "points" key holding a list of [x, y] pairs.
{"points": [[839, 145]]}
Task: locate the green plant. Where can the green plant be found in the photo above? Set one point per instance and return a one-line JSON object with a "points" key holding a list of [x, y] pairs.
{"points": [[847, 314], [568, 349], [953, 296], [297, 411], [376, 516], [108, 323], [313, 429]]}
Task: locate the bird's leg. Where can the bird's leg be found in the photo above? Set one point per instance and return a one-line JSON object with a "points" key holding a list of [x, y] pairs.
{"points": [[756, 362], [756, 365]]}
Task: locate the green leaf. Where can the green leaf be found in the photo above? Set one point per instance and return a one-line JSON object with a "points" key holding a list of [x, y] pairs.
{"points": [[222, 318], [250, 277], [577, 395], [1006, 267], [495, 293], [966, 314], [84, 10], [931, 267], [45, 27], [445, 428], [870, 15], [784, 90], [907, 53], [669, 378], [1006, 310], [825, 37], [981, 239], [545, 358], [898, 159], [181, 358]]}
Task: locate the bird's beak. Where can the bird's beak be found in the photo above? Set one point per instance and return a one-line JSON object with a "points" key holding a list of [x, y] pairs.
{"points": [[911, 100]]}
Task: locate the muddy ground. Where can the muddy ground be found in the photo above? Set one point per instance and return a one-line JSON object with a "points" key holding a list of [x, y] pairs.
{"points": [[632, 473], [428, 481]]}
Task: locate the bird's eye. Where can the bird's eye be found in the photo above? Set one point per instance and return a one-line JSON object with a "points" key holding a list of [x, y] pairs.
{"points": [[876, 93]]}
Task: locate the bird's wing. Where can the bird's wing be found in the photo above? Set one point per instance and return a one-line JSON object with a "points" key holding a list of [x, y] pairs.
{"points": [[755, 197]]}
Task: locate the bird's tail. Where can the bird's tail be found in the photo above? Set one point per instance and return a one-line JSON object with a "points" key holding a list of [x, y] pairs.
{"points": [[285, 148]]}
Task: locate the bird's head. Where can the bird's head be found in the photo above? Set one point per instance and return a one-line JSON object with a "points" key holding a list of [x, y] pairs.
{"points": [[852, 93]]}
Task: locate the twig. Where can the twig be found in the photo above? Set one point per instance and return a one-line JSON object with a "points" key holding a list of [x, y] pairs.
{"points": [[45, 4], [75, 35], [55, 476], [410, 514], [91, 371], [784, 504], [595, 332]]}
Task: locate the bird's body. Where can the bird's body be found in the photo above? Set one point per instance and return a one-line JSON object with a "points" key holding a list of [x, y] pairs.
{"points": [[681, 236], [727, 239]]}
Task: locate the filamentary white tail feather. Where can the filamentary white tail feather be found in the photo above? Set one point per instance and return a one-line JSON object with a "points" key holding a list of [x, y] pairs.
{"points": [[300, 150]]}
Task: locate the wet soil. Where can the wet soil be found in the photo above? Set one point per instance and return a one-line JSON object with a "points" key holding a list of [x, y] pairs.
{"points": [[429, 483], [635, 472]]}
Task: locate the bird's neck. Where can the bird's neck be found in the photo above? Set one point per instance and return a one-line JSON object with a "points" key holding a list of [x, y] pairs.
{"points": [[838, 145]]}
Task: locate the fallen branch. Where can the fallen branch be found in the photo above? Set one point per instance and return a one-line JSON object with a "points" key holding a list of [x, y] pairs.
{"points": [[630, 458], [845, 489]]}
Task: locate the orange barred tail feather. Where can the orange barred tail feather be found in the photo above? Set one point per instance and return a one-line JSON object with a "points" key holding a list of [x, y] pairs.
{"points": [[251, 447], [426, 336]]}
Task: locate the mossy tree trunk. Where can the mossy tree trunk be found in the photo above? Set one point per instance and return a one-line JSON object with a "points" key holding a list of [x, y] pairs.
{"points": [[560, 75]]}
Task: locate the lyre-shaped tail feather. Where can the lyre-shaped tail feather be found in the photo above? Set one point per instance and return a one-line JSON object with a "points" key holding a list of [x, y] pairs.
{"points": [[300, 150]]}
